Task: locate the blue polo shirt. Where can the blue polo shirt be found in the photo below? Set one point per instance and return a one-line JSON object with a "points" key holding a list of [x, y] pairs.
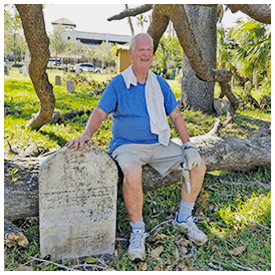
{"points": [[131, 122]]}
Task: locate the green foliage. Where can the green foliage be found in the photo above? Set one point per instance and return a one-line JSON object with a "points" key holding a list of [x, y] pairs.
{"points": [[168, 54], [253, 54], [103, 52], [246, 52], [14, 39]]}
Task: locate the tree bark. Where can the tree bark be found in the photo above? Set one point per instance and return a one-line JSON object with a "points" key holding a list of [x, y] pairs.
{"points": [[158, 26], [195, 93], [198, 40], [219, 153], [131, 12], [38, 43], [259, 12]]}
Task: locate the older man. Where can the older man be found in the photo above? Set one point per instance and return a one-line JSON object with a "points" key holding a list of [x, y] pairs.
{"points": [[140, 102]]}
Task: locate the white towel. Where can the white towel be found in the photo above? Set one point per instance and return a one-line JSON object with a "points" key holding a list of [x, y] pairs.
{"points": [[155, 104]]}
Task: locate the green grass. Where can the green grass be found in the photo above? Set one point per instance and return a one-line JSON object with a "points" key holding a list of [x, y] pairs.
{"points": [[226, 210]]}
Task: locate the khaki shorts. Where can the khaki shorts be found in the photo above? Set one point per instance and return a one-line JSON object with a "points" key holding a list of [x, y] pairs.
{"points": [[160, 157]]}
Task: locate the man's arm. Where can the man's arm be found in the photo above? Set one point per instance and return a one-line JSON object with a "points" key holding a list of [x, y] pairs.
{"points": [[180, 126], [92, 125]]}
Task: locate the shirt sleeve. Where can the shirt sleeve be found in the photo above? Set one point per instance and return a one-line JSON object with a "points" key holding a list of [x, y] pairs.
{"points": [[108, 100], [170, 101]]}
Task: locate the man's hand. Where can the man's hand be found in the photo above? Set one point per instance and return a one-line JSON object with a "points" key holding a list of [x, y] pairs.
{"points": [[78, 143], [191, 155]]}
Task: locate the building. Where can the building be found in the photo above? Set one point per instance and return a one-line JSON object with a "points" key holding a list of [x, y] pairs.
{"points": [[90, 39]]}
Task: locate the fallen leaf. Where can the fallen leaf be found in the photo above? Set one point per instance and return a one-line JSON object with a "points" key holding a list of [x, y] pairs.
{"points": [[160, 236], [176, 254], [213, 248], [142, 266], [183, 250], [237, 250], [16, 238], [252, 228], [202, 199], [182, 266], [158, 268], [89, 260], [182, 241], [157, 251]]}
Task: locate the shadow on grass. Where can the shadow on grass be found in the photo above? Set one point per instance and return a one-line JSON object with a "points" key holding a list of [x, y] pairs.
{"points": [[250, 123], [60, 140]]}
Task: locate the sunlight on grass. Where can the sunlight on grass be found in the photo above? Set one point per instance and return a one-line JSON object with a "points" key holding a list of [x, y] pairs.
{"points": [[256, 209]]}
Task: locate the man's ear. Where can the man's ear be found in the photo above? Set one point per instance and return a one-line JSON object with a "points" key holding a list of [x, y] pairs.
{"points": [[130, 52]]}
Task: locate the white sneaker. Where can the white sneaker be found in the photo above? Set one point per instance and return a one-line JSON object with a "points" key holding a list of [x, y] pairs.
{"points": [[192, 231], [137, 245]]}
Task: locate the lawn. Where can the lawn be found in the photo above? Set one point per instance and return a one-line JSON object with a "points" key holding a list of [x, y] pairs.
{"points": [[236, 217]]}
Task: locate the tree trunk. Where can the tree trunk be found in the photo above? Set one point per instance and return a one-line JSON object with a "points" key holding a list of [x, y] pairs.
{"points": [[38, 43], [219, 153], [195, 93]]}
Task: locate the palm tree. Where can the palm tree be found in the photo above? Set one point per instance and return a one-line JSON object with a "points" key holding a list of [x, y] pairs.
{"points": [[141, 20], [253, 53], [130, 21]]}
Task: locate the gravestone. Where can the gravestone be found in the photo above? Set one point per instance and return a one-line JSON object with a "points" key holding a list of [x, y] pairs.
{"points": [[27, 59], [77, 203], [70, 86], [24, 70], [6, 70], [57, 80]]}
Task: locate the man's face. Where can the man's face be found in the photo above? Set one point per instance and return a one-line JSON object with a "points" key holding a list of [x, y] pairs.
{"points": [[142, 55]]}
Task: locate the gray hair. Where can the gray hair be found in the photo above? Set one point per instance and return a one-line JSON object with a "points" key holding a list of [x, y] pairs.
{"points": [[132, 42]]}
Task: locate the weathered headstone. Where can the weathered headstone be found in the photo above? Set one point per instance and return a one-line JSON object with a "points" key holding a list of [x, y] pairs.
{"points": [[24, 70], [27, 59], [70, 86], [57, 80], [77, 203], [6, 69]]}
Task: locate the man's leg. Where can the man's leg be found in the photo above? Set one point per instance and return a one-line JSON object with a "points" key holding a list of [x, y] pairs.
{"points": [[132, 190], [133, 198], [196, 181], [184, 218]]}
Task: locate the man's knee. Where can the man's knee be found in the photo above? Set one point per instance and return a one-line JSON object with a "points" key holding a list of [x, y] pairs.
{"points": [[132, 171], [200, 170]]}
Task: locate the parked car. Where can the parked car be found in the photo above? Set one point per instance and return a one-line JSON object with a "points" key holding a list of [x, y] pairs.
{"points": [[87, 67], [53, 61]]}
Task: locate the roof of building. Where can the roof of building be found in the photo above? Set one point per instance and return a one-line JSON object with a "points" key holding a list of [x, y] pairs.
{"points": [[64, 21]]}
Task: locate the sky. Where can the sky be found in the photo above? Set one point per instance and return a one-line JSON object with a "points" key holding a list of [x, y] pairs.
{"points": [[93, 17]]}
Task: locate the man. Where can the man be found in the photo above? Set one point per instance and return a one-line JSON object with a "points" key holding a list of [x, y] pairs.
{"points": [[140, 102]]}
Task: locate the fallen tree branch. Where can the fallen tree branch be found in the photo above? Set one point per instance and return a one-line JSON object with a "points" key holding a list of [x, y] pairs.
{"points": [[160, 224], [219, 153]]}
